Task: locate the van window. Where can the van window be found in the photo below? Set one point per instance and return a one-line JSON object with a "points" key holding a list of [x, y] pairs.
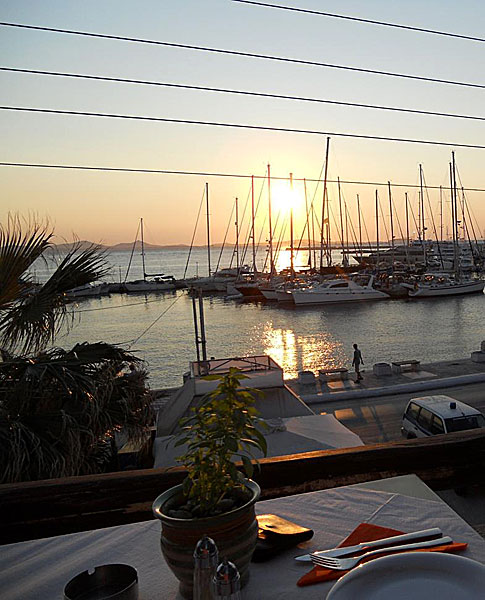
{"points": [[463, 423], [424, 419], [412, 411], [437, 425]]}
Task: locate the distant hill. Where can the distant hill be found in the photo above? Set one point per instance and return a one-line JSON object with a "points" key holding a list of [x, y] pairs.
{"points": [[123, 246], [129, 245], [65, 247]]}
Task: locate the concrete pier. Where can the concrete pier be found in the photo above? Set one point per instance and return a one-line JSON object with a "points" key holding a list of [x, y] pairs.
{"points": [[429, 376]]}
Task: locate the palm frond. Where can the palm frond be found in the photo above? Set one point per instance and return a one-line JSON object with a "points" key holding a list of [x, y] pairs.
{"points": [[21, 244], [29, 321]]}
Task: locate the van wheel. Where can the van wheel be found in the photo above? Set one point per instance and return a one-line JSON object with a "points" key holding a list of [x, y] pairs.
{"points": [[411, 436]]}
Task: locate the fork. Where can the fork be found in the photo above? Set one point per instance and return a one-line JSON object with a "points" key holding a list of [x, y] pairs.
{"points": [[343, 564]]}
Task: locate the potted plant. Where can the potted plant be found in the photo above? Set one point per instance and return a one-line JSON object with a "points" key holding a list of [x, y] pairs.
{"points": [[216, 498]]}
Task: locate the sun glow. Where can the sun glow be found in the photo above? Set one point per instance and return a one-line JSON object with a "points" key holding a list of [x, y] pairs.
{"points": [[284, 197]]}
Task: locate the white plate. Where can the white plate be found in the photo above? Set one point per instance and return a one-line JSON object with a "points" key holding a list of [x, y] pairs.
{"points": [[416, 575]]}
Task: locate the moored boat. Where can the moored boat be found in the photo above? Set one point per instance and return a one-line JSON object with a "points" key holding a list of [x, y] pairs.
{"points": [[155, 284], [440, 284], [89, 290], [355, 289]]}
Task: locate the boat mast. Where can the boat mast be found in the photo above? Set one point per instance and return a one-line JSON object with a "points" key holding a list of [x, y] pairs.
{"points": [[292, 258], [252, 227], [323, 207], [441, 213], [208, 228], [377, 231], [392, 224], [454, 213], [341, 219], [423, 228], [407, 219], [143, 249], [271, 261], [312, 208], [360, 225], [347, 247], [237, 237], [308, 227]]}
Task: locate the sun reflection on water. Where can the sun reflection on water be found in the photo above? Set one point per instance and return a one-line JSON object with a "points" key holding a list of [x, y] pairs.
{"points": [[295, 352]]}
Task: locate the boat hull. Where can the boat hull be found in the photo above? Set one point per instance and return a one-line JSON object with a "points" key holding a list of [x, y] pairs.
{"points": [[249, 290], [88, 291], [284, 295], [471, 287], [268, 294], [148, 286], [305, 298]]}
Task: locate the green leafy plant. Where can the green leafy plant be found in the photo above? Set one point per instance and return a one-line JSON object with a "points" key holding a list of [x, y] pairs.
{"points": [[59, 409], [222, 430]]}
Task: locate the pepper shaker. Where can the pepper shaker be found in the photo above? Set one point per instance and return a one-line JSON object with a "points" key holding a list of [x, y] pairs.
{"points": [[227, 582], [206, 557]]}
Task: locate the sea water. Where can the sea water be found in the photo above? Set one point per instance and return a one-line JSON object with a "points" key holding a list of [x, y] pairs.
{"points": [[159, 327]]}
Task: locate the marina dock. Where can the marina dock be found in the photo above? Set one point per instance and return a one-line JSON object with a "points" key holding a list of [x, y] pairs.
{"points": [[436, 375]]}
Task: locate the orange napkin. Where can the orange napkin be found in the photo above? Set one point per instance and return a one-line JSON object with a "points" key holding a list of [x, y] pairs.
{"points": [[366, 532]]}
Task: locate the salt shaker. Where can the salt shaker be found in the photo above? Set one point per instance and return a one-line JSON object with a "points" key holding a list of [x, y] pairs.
{"points": [[206, 558], [227, 582]]}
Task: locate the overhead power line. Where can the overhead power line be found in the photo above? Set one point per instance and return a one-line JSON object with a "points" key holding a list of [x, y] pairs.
{"points": [[368, 21], [240, 92], [240, 53], [239, 126], [215, 174]]}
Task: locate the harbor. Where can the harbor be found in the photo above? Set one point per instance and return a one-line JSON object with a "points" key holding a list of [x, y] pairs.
{"points": [[242, 293], [306, 338]]}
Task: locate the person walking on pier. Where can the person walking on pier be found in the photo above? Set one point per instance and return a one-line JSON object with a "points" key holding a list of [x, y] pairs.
{"points": [[357, 361]]}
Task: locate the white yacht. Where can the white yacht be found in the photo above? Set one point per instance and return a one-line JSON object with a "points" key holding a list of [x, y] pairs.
{"points": [[439, 284], [355, 289], [444, 255]]}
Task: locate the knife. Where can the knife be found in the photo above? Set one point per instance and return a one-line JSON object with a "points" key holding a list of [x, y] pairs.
{"points": [[435, 532]]}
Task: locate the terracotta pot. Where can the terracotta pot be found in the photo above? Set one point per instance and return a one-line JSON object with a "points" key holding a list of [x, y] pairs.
{"points": [[234, 532]]}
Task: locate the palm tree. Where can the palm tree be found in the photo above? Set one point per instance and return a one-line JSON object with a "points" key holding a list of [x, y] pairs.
{"points": [[60, 410], [31, 315]]}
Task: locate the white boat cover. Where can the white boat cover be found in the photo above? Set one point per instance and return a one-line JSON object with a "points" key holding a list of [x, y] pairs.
{"points": [[277, 402], [292, 435]]}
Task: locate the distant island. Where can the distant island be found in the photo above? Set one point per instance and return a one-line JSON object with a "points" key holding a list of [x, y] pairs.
{"points": [[123, 246]]}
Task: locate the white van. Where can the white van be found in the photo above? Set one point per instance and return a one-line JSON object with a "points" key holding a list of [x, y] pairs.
{"points": [[432, 415]]}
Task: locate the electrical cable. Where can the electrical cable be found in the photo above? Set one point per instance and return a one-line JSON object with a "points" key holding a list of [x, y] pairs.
{"points": [[240, 53], [367, 21], [154, 322], [242, 93], [112, 307], [239, 126], [213, 174]]}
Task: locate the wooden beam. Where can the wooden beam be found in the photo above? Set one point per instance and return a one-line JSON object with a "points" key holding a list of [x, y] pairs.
{"points": [[35, 509]]}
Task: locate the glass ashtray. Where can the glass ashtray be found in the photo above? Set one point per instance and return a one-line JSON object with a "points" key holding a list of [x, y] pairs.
{"points": [[106, 582]]}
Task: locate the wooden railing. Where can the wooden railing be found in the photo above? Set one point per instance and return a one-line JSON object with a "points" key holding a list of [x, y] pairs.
{"points": [[36, 509]]}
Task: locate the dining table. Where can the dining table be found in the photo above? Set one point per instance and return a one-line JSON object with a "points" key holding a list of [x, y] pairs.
{"points": [[39, 569]]}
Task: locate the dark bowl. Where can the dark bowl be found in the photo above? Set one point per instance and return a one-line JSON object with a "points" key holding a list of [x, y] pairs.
{"points": [[107, 582]]}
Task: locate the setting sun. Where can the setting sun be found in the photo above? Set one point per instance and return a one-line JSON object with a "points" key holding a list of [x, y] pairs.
{"points": [[284, 197]]}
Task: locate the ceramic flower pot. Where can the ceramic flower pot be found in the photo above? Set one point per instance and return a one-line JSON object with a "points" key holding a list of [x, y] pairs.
{"points": [[235, 533]]}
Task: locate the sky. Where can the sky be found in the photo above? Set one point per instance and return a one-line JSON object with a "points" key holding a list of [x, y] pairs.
{"points": [[106, 207]]}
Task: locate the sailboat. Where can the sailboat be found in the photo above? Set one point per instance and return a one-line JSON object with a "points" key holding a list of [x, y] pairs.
{"points": [[441, 284], [150, 283]]}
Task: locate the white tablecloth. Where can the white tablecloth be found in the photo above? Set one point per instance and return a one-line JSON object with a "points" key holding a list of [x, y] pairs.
{"points": [[38, 570]]}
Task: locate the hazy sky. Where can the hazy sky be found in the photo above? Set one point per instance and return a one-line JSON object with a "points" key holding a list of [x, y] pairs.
{"points": [[107, 206]]}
